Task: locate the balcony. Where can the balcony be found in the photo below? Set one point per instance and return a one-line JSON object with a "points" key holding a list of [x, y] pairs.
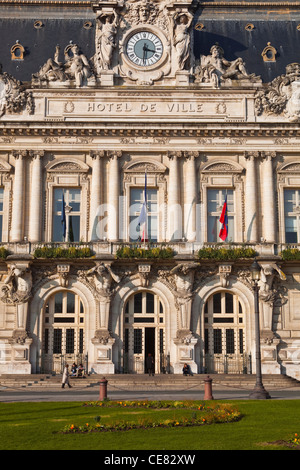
{"points": [[106, 249]]}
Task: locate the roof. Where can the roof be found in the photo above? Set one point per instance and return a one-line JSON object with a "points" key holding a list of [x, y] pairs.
{"points": [[223, 22]]}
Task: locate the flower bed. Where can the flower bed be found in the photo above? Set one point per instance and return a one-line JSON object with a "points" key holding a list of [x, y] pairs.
{"points": [[201, 414]]}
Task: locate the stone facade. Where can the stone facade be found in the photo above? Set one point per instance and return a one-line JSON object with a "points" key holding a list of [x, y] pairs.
{"points": [[84, 137]]}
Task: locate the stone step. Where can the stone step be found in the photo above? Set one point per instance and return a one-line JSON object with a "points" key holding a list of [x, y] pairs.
{"points": [[140, 382]]}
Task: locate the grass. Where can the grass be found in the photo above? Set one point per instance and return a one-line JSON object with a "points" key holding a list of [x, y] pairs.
{"points": [[36, 426]]}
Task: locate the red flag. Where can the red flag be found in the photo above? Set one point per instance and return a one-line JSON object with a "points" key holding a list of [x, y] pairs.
{"points": [[224, 221]]}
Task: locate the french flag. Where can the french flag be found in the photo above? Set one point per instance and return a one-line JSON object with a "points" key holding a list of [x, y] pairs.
{"points": [[142, 220], [224, 221]]}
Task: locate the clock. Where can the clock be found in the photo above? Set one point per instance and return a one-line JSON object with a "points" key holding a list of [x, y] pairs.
{"points": [[144, 49]]}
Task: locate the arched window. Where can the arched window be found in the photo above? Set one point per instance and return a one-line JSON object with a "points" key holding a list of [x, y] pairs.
{"points": [[224, 332]]}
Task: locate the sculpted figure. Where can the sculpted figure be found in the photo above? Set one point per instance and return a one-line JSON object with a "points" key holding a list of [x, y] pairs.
{"points": [[184, 279], [17, 291], [18, 284], [103, 277], [52, 70], [181, 35], [106, 39], [77, 66], [214, 68]]}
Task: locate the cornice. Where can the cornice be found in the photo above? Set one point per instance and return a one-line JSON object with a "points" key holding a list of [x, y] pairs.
{"points": [[212, 4], [196, 131], [47, 3]]}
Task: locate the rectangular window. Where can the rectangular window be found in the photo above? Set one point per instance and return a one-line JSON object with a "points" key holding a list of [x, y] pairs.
{"points": [[70, 341], [292, 215], [137, 345], [136, 204], [215, 202], [72, 208], [57, 336], [229, 341], [217, 341]]}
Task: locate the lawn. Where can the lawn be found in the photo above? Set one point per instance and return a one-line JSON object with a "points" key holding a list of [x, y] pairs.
{"points": [[38, 426]]}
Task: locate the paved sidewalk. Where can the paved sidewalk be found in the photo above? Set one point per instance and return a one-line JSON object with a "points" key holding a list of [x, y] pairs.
{"points": [[92, 394]]}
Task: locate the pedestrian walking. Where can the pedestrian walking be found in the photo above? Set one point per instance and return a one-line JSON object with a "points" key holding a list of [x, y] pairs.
{"points": [[65, 377], [150, 364]]}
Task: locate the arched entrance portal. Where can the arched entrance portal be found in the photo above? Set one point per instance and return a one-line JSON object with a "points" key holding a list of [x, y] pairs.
{"points": [[224, 330], [144, 332], [63, 331]]}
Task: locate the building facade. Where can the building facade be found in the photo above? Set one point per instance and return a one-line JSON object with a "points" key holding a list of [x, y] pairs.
{"points": [[186, 104]]}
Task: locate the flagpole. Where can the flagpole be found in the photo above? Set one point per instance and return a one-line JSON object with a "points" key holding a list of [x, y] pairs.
{"points": [[145, 197]]}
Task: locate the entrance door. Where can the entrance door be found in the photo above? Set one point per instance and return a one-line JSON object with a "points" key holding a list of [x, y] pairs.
{"points": [[143, 332], [63, 340], [224, 334]]}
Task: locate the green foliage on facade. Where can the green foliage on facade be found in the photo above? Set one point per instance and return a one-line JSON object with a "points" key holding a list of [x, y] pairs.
{"points": [[290, 254], [144, 253], [226, 254], [57, 252]]}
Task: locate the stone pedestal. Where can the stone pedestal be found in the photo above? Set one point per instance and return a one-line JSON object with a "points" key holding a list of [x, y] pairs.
{"points": [[185, 345], [106, 78], [103, 344], [269, 354], [19, 353]]}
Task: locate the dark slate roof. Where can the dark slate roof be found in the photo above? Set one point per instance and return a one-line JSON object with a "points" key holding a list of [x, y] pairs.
{"points": [[40, 44], [224, 25]]}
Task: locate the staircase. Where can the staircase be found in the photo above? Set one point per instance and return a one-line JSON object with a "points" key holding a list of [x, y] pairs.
{"points": [[140, 382]]}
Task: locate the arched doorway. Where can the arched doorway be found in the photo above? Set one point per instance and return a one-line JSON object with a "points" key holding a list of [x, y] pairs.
{"points": [[144, 332], [63, 331], [224, 334]]}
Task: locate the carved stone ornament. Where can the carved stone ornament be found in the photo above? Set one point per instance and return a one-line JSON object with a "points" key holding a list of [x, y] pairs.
{"points": [[76, 68], [280, 95], [17, 286], [218, 71], [13, 97]]}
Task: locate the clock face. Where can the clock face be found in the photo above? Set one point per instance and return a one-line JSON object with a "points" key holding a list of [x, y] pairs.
{"points": [[144, 49]]}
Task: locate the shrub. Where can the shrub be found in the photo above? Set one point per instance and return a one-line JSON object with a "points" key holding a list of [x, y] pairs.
{"points": [[145, 253], [226, 254], [58, 252]]}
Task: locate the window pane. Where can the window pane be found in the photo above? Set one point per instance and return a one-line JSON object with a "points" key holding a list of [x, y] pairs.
{"points": [[212, 229], [57, 233], [58, 303], [149, 303], [230, 341], [74, 199], [70, 302], [289, 200], [70, 341], [74, 228], [57, 335], [217, 341], [229, 302], [137, 348], [291, 230], [217, 303], [138, 303]]}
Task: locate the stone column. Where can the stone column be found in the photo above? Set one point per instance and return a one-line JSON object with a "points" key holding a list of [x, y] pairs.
{"points": [[113, 196], [251, 214], [268, 197], [174, 206], [190, 196], [95, 195], [17, 223], [35, 216]]}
